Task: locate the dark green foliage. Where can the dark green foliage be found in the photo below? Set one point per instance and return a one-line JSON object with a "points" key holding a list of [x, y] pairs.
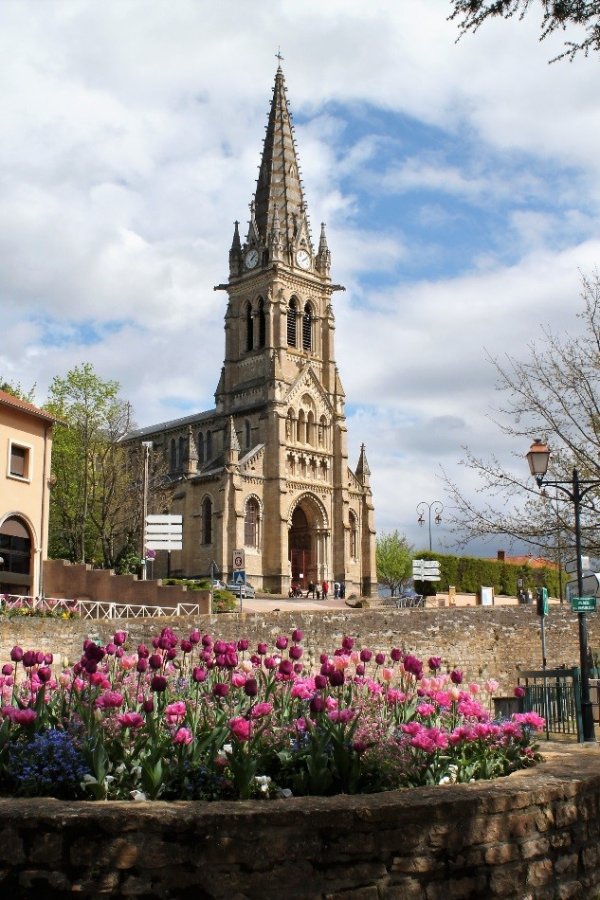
{"points": [[468, 574]]}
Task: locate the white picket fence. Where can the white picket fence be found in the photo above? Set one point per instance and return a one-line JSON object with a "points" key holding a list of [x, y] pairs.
{"points": [[96, 609]]}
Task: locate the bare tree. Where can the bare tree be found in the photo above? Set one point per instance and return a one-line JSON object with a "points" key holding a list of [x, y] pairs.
{"points": [[555, 395]]}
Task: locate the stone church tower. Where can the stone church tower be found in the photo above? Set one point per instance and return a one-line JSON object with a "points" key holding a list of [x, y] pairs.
{"points": [[267, 469]]}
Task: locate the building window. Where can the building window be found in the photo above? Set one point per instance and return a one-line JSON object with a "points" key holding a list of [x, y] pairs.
{"points": [[251, 523], [19, 461], [15, 547], [249, 328], [173, 455], [353, 536], [206, 536], [262, 325], [291, 322], [181, 459], [322, 432], [200, 447], [307, 320], [209, 447], [248, 434]]}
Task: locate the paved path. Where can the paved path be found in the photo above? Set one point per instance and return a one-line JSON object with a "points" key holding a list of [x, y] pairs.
{"points": [[291, 604]]}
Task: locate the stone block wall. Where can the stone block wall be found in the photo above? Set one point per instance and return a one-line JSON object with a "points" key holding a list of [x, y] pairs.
{"points": [[532, 836], [492, 642]]}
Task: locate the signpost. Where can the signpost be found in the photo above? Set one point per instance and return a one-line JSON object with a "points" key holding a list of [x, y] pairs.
{"points": [[164, 533], [239, 571], [589, 583], [426, 570], [583, 604]]}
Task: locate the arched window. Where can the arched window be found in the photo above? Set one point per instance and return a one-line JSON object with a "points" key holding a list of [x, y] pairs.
{"points": [[310, 428], [307, 320], [206, 531], [249, 328], [15, 549], [181, 458], [291, 322], [322, 433], [262, 324], [209, 447], [353, 535], [301, 427], [200, 447], [251, 523], [173, 464], [248, 433], [290, 427]]}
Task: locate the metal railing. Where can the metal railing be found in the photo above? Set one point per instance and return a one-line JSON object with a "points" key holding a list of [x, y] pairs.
{"points": [[555, 694], [94, 609]]}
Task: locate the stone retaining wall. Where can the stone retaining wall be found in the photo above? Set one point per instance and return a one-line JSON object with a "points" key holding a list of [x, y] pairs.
{"points": [[484, 642], [81, 581], [532, 836]]}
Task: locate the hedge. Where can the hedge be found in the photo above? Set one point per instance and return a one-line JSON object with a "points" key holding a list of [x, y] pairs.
{"points": [[469, 573]]}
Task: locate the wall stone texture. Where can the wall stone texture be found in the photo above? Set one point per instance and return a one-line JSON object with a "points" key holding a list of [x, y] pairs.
{"points": [[485, 642], [532, 836]]}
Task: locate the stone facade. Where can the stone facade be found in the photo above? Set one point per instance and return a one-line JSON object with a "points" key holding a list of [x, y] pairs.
{"points": [[25, 454], [532, 836], [267, 469]]}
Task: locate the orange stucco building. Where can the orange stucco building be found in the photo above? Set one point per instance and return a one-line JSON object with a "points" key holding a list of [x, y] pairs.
{"points": [[25, 451]]}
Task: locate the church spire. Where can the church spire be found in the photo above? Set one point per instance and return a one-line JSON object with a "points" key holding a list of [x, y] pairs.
{"points": [[279, 205], [362, 470]]}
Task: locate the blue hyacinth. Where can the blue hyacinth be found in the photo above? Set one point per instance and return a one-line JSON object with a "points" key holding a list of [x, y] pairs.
{"points": [[50, 764]]}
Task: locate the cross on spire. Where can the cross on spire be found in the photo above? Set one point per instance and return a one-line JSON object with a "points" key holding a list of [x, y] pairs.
{"points": [[279, 56]]}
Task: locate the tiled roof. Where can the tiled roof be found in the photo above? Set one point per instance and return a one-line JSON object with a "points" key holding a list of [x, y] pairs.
{"points": [[16, 403]]}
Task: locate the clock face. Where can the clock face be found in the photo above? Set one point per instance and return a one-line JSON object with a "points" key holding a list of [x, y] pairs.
{"points": [[303, 259], [251, 259]]}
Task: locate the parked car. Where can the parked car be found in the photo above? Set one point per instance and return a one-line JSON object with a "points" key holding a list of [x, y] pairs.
{"points": [[219, 585], [245, 591]]}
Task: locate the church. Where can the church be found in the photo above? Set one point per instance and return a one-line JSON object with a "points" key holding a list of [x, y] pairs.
{"points": [[267, 469]]}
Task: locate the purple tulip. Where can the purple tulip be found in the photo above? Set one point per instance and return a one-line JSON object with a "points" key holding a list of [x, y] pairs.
{"points": [[158, 684], [251, 687], [16, 654]]}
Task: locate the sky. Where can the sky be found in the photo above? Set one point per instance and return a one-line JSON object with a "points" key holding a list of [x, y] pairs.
{"points": [[459, 181]]}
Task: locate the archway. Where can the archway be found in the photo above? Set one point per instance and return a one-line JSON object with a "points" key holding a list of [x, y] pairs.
{"points": [[16, 571], [308, 541]]}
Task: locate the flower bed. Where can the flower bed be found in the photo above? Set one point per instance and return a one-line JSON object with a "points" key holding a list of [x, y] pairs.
{"points": [[203, 718]]}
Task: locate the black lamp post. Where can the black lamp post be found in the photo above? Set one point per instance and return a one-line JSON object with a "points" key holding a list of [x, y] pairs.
{"points": [[437, 507], [538, 459]]}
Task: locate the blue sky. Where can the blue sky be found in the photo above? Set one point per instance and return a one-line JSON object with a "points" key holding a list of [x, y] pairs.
{"points": [[460, 184]]}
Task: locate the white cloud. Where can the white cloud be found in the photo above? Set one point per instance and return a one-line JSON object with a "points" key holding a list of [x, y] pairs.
{"points": [[131, 139]]}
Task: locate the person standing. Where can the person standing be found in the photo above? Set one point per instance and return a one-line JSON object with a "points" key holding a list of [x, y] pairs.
{"points": [[325, 589], [336, 590], [311, 590]]}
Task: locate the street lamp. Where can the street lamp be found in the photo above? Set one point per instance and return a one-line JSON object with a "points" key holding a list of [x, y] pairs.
{"points": [[147, 447], [437, 507], [538, 459]]}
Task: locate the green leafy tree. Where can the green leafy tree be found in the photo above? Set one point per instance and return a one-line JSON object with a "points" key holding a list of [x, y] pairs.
{"points": [[557, 15], [394, 560], [91, 513], [16, 390]]}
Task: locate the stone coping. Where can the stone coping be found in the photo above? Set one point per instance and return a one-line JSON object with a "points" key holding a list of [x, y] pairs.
{"points": [[533, 835]]}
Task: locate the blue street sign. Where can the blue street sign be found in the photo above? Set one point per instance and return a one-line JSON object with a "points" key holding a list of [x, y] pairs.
{"points": [[239, 577]]}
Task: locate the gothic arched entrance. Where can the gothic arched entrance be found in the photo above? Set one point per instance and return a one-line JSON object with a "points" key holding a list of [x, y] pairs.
{"points": [[16, 570], [308, 541]]}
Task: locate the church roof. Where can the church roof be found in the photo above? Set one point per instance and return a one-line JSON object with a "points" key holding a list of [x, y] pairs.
{"points": [[171, 425], [279, 198]]}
